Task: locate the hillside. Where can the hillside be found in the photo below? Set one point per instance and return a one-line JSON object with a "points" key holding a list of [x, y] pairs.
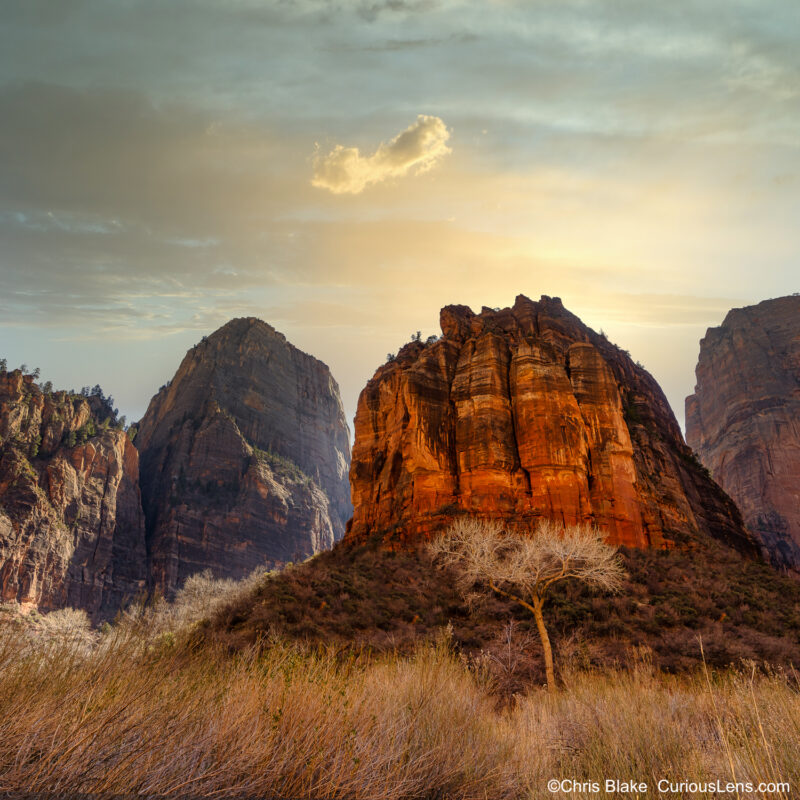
{"points": [[366, 596]]}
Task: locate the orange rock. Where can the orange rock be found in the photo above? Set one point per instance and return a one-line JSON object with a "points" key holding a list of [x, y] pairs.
{"points": [[520, 414]]}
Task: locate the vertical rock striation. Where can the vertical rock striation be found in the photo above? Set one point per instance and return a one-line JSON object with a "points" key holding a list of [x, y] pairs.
{"points": [[71, 524], [522, 413], [744, 419], [244, 458]]}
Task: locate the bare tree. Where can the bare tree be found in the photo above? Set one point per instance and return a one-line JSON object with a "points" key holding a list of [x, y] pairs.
{"points": [[524, 567]]}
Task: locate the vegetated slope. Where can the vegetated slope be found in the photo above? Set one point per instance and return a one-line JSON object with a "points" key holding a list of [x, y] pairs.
{"points": [[523, 413], [71, 525], [367, 596], [244, 458], [744, 419]]}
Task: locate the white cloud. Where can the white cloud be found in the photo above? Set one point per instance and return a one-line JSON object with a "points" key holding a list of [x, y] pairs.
{"points": [[418, 148]]}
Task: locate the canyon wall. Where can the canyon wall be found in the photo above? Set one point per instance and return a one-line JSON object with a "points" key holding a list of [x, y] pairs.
{"points": [[744, 419], [71, 524]]}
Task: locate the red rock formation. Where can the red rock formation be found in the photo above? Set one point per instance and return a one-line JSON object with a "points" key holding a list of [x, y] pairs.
{"points": [[744, 419], [523, 413], [71, 524], [244, 458]]}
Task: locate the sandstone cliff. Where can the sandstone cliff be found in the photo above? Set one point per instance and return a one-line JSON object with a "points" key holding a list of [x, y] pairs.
{"points": [[744, 419], [71, 525], [244, 458], [521, 413]]}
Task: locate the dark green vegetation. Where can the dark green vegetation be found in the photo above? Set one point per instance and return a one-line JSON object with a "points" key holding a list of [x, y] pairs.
{"points": [[370, 598], [104, 414]]}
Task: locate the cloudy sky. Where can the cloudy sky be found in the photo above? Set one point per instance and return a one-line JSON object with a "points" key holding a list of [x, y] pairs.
{"points": [[344, 169]]}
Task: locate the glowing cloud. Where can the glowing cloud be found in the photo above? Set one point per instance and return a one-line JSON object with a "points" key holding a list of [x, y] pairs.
{"points": [[419, 148]]}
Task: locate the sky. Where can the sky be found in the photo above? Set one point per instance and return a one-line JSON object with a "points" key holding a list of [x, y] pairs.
{"points": [[344, 169]]}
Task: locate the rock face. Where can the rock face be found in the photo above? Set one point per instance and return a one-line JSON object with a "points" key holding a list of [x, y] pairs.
{"points": [[244, 458], [744, 419], [522, 413], [71, 524]]}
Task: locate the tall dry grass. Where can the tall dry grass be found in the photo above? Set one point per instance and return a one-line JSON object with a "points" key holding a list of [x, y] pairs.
{"points": [[128, 719], [144, 715]]}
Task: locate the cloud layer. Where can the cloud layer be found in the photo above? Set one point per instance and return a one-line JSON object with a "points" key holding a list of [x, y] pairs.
{"points": [[636, 159], [418, 148]]}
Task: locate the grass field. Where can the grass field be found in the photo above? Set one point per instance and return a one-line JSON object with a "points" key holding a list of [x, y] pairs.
{"points": [[136, 710]]}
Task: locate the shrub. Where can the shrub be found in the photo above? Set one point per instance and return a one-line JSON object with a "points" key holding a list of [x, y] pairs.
{"points": [[201, 597]]}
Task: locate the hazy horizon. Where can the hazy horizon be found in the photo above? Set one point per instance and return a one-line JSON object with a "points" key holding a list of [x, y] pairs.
{"points": [[343, 170]]}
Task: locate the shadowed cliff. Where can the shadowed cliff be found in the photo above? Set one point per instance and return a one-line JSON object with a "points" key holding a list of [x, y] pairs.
{"points": [[744, 419], [244, 458]]}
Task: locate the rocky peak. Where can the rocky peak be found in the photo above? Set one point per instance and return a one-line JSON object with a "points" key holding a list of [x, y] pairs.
{"points": [[744, 418], [245, 455], [524, 412]]}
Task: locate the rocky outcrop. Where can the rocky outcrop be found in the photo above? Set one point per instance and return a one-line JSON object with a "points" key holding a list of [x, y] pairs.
{"points": [[71, 525], [244, 458], [524, 413], [744, 419]]}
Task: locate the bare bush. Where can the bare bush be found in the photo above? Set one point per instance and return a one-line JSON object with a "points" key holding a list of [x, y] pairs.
{"points": [[69, 623], [67, 627], [199, 598], [506, 667]]}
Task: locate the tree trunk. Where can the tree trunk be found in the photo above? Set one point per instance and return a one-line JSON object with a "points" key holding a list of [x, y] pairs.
{"points": [[548, 651]]}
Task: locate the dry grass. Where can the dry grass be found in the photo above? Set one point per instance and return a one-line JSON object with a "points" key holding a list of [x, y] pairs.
{"points": [[151, 706], [738, 725], [137, 715], [128, 719]]}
